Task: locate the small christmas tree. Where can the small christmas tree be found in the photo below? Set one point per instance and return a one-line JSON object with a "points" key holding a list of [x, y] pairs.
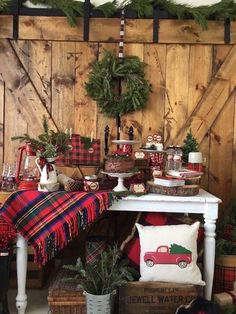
{"points": [[190, 145]]}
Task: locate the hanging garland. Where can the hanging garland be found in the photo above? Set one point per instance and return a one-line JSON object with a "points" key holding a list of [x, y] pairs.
{"points": [[4, 4], [103, 82], [144, 8]]}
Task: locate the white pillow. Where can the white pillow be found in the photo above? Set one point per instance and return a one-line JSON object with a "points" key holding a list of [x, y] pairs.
{"points": [[169, 253]]}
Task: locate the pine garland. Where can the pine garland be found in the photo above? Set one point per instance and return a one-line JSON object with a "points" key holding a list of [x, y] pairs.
{"points": [[103, 82], [144, 8], [4, 4]]}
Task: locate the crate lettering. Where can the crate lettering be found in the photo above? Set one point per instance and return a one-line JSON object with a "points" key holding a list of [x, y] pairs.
{"points": [[151, 299]]}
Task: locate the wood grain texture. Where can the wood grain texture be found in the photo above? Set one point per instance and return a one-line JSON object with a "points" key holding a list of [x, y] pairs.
{"points": [[152, 115], [133, 119], [177, 80], [63, 84], [200, 72], [6, 29], [35, 57], [85, 116], [49, 28], [40, 56], [227, 69], [22, 100], [212, 101], [107, 30], [220, 179], [180, 31], [136, 30], [207, 110], [234, 152], [219, 53], [21, 48]]}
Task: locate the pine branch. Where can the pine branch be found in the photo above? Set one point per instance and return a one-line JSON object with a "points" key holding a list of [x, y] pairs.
{"points": [[108, 8], [4, 4]]}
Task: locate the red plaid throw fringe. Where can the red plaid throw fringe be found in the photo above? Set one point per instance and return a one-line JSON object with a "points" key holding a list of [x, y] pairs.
{"points": [[48, 221], [7, 234]]}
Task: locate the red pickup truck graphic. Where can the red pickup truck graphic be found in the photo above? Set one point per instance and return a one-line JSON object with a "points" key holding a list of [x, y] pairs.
{"points": [[175, 254]]}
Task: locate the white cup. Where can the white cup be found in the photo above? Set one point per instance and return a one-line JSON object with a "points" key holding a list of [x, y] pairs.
{"points": [[195, 157]]}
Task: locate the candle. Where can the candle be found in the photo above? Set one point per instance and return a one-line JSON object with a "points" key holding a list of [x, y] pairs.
{"points": [[91, 136]]}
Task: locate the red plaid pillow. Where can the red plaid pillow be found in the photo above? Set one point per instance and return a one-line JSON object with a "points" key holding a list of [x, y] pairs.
{"points": [[82, 153]]}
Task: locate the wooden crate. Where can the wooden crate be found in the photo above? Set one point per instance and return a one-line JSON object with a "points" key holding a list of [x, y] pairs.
{"points": [[36, 276], [155, 297], [64, 297]]}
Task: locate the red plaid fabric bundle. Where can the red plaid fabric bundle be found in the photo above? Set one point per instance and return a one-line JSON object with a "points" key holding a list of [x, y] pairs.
{"points": [[224, 278], [82, 153]]}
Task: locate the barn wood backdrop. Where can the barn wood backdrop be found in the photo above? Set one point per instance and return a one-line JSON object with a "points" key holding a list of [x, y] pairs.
{"points": [[192, 73]]}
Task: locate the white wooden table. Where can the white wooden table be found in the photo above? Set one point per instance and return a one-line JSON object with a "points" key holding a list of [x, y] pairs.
{"points": [[204, 203]]}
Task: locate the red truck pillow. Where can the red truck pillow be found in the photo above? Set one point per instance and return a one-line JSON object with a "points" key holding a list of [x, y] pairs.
{"points": [[169, 253], [131, 245]]}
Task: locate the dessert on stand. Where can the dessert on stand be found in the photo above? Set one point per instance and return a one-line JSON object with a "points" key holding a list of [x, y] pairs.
{"points": [[121, 164]]}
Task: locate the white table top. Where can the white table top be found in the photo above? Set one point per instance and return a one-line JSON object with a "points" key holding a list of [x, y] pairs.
{"points": [[202, 197], [152, 202]]}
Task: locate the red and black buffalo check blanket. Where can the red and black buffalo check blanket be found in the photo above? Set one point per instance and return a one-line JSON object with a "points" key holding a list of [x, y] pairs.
{"points": [[48, 221]]}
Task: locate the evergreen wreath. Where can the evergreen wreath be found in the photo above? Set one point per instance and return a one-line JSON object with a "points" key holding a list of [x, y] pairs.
{"points": [[104, 80], [144, 8]]}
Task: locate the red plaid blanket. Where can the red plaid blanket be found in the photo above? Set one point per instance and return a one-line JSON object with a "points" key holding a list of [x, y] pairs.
{"points": [[48, 221]]}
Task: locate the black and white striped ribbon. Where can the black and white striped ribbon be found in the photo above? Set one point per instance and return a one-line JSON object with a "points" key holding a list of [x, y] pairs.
{"points": [[122, 33]]}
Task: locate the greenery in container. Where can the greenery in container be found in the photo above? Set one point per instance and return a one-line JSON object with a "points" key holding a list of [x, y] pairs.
{"points": [[49, 144], [103, 276]]}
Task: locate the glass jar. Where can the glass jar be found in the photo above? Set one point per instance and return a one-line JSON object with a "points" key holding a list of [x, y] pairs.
{"points": [[170, 151], [178, 157], [91, 183]]}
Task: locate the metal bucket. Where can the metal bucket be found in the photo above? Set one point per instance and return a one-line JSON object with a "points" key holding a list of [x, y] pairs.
{"points": [[99, 304]]}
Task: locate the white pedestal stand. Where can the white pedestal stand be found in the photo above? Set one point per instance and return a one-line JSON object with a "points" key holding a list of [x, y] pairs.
{"points": [[120, 186]]}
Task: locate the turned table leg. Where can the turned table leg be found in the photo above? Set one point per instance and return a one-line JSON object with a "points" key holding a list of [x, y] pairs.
{"points": [[21, 266], [210, 217]]}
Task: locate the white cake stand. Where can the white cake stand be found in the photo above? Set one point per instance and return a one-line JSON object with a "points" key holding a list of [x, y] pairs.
{"points": [[120, 186], [130, 142]]}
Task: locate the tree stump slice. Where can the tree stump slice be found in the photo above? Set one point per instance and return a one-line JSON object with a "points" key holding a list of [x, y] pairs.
{"points": [[186, 190]]}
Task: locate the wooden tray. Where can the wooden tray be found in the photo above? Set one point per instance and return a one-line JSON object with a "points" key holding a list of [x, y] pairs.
{"points": [[186, 190]]}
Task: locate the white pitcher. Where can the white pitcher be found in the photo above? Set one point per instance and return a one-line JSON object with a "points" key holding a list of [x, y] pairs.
{"points": [[48, 176]]}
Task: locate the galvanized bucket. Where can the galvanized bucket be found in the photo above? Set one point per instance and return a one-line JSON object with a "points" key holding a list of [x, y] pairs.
{"points": [[99, 304]]}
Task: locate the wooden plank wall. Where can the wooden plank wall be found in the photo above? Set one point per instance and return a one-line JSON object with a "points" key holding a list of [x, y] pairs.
{"points": [[191, 72]]}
